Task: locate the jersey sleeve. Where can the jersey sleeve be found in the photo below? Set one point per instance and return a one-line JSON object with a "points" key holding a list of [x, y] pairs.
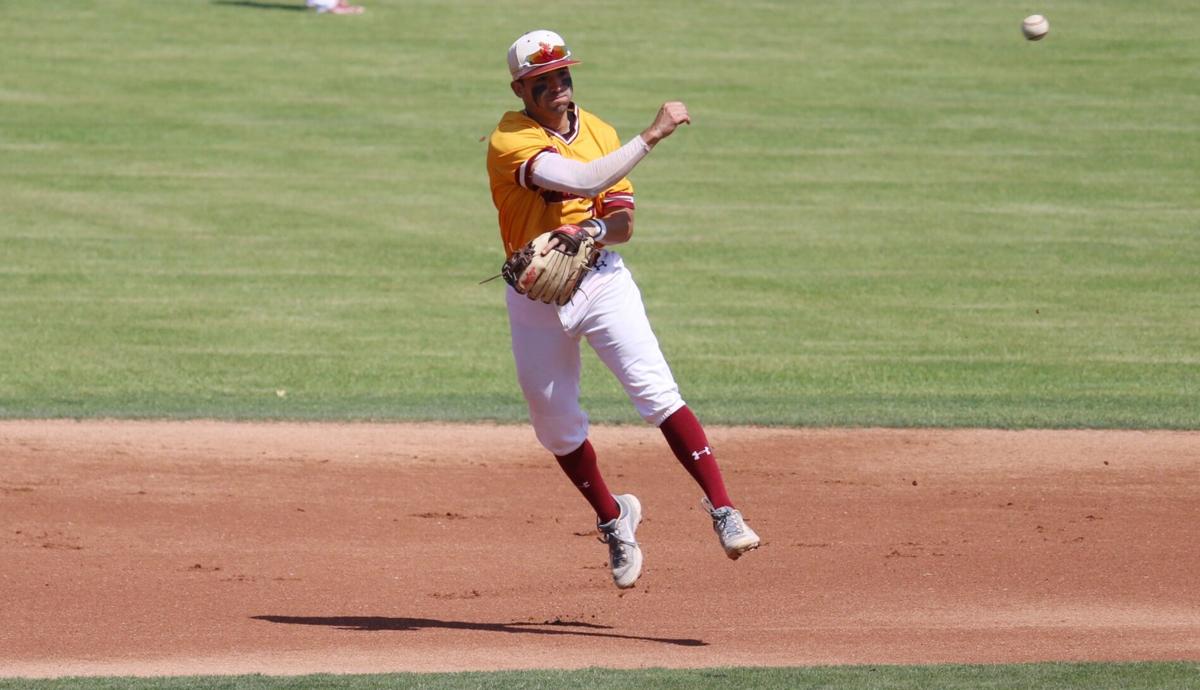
{"points": [[512, 152]]}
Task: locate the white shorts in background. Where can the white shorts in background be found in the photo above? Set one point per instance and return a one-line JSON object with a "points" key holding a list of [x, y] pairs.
{"points": [[607, 310]]}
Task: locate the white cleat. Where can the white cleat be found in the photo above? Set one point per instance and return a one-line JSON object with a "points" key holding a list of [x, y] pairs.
{"points": [[736, 536], [624, 554]]}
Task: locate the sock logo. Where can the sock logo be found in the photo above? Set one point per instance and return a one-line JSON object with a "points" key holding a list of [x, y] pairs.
{"points": [[703, 451], [585, 485]]}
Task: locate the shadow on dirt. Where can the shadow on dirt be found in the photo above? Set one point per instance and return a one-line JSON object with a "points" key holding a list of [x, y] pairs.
{"points": [[555, 627]]}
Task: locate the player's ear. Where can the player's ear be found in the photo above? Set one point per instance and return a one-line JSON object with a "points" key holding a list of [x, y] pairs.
{"points": [[518, 88]]}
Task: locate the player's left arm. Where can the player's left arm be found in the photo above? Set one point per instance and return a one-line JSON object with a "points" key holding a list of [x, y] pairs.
{"points": [[613, 223], [612, 215], [613, 227]]}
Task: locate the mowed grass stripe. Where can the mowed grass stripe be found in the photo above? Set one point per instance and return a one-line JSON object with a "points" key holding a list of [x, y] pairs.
{"points": [[1049, 676]]}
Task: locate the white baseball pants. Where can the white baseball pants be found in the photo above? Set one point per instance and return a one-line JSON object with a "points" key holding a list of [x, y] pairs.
{"points": [[607, 311]]}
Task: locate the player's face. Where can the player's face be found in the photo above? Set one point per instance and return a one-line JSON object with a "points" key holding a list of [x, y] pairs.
{"points": [[546, 95]]}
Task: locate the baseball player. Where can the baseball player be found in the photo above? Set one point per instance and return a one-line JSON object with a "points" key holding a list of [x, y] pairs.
{"points": [[334, 7], [555, 165]]}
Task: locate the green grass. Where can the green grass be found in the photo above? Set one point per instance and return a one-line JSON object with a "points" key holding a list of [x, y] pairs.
{"points": [[885, 213], [1148, 676]]}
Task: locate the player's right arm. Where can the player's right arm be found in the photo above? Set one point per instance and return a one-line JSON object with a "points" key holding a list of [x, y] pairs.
{"points": [[562, 174], [554, 171], [615, 226]]}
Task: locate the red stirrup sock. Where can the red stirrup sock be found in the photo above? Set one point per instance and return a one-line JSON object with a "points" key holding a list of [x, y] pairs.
{"points": [[688, 442], [580, 466]]}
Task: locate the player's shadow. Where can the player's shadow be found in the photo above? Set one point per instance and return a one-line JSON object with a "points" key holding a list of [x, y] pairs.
{"points": [[556, 627], [262, 5]]}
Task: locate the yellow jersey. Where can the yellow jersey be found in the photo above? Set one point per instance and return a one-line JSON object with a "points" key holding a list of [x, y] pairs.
{"points": [[526, 210]]}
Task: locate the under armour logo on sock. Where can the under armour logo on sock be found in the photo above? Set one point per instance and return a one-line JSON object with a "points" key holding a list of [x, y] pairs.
{"points": [[585, 485], [703, 451]]}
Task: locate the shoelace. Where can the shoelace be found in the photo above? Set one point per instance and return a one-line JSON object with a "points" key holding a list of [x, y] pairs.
{"points": [[727, 523], [616, 546]]}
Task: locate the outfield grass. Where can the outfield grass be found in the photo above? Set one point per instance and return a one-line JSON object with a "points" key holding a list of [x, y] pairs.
{"points": [[1144, 676], [885, 213]]}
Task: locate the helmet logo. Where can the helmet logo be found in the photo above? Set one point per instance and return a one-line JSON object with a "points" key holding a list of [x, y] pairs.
{"points": [[547, 53]]}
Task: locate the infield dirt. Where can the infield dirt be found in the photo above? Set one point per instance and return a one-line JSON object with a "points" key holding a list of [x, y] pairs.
{"points": [[171, 548]]}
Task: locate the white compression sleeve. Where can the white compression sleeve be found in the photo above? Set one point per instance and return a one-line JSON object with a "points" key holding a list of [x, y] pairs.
{"points": [[553, 171]]}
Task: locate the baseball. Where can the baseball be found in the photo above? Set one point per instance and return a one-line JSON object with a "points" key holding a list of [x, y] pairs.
{"points": [[1035, 27]]}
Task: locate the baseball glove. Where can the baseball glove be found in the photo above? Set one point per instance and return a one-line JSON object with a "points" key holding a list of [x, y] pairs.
{"points": [[553, 277]]}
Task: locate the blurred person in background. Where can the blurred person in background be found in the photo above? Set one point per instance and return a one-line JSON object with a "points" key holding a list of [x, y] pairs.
{"points": [[334, 7]]}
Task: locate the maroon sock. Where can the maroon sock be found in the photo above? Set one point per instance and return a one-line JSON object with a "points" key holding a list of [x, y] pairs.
{"points": [[580, 466], [688, 442]]}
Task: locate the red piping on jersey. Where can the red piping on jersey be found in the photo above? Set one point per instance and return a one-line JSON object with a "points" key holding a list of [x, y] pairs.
{"points": [[524, 171], [572, 125], [618, 200]]}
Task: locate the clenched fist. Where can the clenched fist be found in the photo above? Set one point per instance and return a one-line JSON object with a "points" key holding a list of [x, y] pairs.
{"points": [[670, 115]]}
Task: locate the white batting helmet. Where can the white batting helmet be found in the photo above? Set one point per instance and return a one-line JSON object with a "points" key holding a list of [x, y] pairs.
{"points": [[538, 52]]}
